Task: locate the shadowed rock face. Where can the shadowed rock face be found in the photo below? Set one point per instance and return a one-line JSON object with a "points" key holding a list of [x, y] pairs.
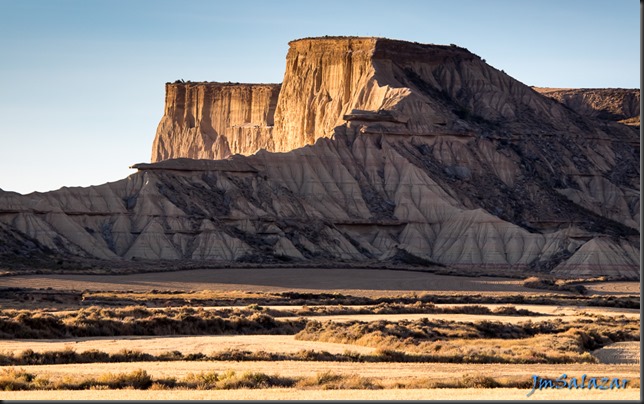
{"points": [[612, 104], [389, 151]]}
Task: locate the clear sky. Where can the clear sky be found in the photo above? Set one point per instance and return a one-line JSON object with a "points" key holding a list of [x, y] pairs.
{"points": [[82, 81]]}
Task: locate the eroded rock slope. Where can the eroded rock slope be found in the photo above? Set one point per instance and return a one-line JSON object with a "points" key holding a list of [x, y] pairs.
{"points": [[613, 104], [382, 150]]}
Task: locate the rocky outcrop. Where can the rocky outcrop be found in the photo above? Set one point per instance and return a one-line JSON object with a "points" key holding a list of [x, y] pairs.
{"points": [[613, 104], [390, 151], [215, 120]]}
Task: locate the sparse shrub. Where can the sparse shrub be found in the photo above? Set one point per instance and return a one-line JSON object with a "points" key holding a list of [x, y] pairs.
{"points": [[333, 381], [12, 379], [230, 355], [252, 380], [535, 282], [391, 355], [94, 355], [479, 382], [308, 355], [170, 356], [201, 381], [195, 356], [138, 379], [320, 379]]}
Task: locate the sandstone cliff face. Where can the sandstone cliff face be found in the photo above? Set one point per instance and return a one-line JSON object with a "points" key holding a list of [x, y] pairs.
{"points": [[215, 120], [613, 104], [391, 150]]}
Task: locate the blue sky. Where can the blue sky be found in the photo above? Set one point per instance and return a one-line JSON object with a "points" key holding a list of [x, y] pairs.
{"points": [[82, 81]]}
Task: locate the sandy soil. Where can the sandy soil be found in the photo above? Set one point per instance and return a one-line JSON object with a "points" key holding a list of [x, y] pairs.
{"points": [[295, 394], [369, 282], [619, 353], [386, 371], [185, 344]]}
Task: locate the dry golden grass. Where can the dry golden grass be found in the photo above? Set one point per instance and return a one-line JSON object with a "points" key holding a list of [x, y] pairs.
{"points": [[380, 370], [300, 394], [12, 379], [185, 344], [554, 341]]}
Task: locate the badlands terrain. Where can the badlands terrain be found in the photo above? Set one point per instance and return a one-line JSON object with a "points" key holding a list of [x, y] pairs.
{"points": [[389, 206], [370, 151]]}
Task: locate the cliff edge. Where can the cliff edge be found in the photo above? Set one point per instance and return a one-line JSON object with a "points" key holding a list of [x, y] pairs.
{"points": [[215, 120]]}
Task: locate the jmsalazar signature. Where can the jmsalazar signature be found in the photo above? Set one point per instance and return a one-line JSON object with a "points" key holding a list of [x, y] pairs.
{"points": [[562, 382]]}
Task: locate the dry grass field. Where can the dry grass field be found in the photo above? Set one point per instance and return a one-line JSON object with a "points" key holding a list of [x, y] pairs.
{"points": [[388, 372], [185, 344], [310, 334], [473, 394]]}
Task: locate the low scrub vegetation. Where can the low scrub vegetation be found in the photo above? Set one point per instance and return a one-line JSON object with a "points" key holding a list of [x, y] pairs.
{"points": [[12, 379], [137, 320], [179, 298], [334, 381], [552, 341], [95, 321], [19, 379], [415, 308], [535, 282], [69, 356]]}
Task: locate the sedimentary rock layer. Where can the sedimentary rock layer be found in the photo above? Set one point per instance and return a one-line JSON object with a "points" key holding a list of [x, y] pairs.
{"points": [[215, 120]]}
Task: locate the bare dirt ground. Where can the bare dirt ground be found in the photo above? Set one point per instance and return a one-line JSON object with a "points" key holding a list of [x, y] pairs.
{"points": [[296, 394], [185, 344], [619, 352], [613, 288], [359, 282]]}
